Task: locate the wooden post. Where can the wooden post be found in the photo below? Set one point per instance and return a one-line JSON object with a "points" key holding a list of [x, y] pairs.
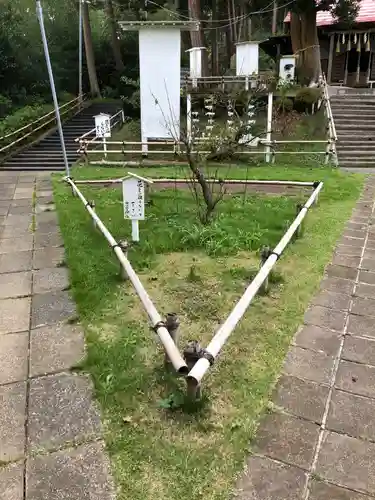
{"points": [[346, 68], [358, 67], [330, 57], [369, 67], [172, 323], [264, 254], [124, 247], [192, 353]]}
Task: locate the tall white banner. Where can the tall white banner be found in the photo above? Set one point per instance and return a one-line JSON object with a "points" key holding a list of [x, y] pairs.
{"points": [[160, 75]]}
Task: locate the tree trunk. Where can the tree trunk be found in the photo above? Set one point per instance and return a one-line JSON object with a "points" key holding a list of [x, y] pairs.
{"points": [[90, 58], [197, 37], [235, 31], [214, 40], [228, 45], [274, 17], [305, 44], [114, 38]]}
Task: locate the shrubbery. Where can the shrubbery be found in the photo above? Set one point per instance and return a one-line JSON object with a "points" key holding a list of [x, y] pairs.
{"points": [[22, 117]]}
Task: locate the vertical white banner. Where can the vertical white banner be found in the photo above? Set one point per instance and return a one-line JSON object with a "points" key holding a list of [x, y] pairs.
{"points": [[160, 81]]}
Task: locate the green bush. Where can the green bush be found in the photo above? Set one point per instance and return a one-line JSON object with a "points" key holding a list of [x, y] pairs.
{"points": [[5, 106], [307, 96], [22, 117], [284, 104]]}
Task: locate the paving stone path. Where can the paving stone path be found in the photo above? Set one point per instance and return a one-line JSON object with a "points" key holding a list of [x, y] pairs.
{"points": [[319, 442], [50, 431]]}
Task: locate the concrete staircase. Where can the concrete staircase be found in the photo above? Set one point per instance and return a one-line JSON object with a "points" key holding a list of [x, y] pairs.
{"points": [[354, 117], [46, 153]]}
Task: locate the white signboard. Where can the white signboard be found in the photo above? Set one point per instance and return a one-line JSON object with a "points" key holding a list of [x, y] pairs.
{"points": [[160, 75], [287, 68], [247, 58], [103, 125], [133, 191]]}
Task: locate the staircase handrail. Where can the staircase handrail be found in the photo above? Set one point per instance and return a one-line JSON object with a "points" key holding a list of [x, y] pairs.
{"points": [[93, 130], [77, 101], [327, 102]]}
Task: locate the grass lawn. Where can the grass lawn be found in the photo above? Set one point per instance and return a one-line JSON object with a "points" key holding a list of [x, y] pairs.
{"points": [[160, 448]]}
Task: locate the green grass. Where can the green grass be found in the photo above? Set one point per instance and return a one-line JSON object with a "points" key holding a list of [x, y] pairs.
{"points": [[158, 446]]}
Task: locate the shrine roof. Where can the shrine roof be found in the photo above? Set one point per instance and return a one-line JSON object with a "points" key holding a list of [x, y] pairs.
{"points": [[366, 14]]}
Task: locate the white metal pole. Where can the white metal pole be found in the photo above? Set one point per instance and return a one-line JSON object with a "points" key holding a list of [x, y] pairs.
{"points": [[135, 230], [269, 126], [80, 53], [105, 147], [155, 318], [39, 13], [225, 330]]}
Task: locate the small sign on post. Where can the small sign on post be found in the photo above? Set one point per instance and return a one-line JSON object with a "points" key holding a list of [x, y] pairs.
{"points": [[103, 129], [133, 192]]}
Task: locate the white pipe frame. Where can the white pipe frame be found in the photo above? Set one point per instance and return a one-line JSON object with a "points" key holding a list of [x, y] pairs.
{"points": [[269, 127], [156, 320], [213, 349], [227, 181], [331, 147]]}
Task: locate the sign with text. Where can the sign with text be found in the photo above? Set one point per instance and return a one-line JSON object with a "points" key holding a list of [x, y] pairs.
{"points": [[133, 191], [103, 125]]}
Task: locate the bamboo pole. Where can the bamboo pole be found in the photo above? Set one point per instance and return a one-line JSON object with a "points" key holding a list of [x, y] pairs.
{"points": [[156, 320], [217, 181], [225, 330]]}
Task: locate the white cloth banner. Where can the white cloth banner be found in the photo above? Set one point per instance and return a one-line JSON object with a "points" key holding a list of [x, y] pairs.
{"points": [[160, 74]]}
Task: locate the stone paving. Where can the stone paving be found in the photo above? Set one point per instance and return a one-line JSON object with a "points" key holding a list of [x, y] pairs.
{"points": [[318, 442], [50, 430]]}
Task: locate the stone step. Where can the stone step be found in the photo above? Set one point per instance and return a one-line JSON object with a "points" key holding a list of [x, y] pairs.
{"points": [[357, 122], [345, 105], [353, 112], [344, 148], [32, 168], [72, 155], [355, 159], [364, 116], [355, 153], [348, 136], [357, 164], [355, 130]]}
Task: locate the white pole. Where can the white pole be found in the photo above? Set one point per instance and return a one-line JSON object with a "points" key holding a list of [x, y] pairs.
{"points": [[156, 320], [39, 13], [135, 230], [225, 330], [144, 146], [188, 117], [247, 83], [269, 126], [105, 147], [80, 54]]}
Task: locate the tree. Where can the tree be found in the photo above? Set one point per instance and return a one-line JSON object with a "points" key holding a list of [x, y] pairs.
{"points": [[114, 35], [89, 49], [304, 33], [197, 37]]}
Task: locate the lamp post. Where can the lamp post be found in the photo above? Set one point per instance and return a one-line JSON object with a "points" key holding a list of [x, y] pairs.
{"points": [[39, 13]]}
